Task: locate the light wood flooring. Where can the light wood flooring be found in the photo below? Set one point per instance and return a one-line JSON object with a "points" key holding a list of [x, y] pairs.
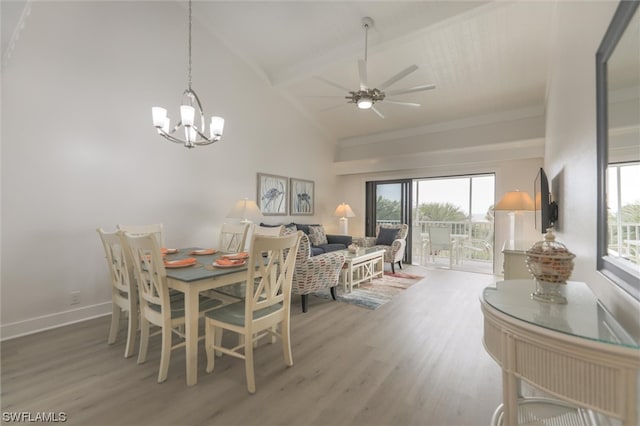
{"points": [[418, 360]]}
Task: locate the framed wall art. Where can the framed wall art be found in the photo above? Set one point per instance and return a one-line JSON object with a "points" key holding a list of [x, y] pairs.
{"points": [[302, 197], [273, 192]]}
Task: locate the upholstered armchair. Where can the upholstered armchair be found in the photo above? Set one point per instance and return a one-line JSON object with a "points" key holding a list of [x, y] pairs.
{"points": [[315, 273], [391, 238]]}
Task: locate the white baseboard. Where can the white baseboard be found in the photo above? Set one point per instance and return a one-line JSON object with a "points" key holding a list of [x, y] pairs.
{"points": [[47, 322]]}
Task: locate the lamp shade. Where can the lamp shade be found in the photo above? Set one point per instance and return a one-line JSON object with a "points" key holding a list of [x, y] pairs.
{"points": [[246, 210], [515, 201], [344, 210]]}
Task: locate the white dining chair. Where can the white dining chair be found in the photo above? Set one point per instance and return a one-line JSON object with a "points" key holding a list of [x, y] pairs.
{"points": [[266, 306], [233, 237], [157, 306], [269, 231], [124, 295], [155, 228]]}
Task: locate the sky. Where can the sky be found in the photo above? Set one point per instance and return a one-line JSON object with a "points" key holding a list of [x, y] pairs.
{"points": [[630, 189]]}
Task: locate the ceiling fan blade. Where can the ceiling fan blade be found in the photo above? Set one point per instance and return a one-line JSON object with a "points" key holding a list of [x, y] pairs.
{"points": [[411, 90], [331, 83], [362, 73], [402, 74], [411, 104], [374, 109], [323, 96]]}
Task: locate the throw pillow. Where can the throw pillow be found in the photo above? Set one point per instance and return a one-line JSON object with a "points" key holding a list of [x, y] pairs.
{"points": [[386, 236], [290, 229], [317, 236]]}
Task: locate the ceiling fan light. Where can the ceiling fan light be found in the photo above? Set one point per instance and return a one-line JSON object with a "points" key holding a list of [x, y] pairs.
{"points": [[365, 103]]}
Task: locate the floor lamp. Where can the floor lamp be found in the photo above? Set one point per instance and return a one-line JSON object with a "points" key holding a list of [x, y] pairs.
{"points": [[344, 211], [515, 202]]}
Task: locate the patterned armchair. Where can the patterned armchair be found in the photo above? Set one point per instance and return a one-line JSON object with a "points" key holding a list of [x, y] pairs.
{"points": [[391, 238], [315, 273]]}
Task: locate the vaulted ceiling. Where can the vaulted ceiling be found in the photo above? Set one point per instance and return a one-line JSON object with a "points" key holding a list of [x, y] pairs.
{"points": [[485, 58]]}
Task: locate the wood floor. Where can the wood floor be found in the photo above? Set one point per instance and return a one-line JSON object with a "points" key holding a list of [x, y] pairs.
{"points": [[418, 360]]}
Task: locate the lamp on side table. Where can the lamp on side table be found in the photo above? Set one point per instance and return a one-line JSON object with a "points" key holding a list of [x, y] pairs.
{"points": [[344, 211]]}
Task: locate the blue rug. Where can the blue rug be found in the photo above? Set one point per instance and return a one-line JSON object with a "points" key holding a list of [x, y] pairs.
{"points": [[376, 293]]}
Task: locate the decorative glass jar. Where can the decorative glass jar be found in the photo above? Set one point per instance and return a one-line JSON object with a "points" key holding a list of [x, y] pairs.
{"points": [[551, 264]]}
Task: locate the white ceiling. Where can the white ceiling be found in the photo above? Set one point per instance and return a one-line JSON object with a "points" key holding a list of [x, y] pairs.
{"points": [[484, 57]]}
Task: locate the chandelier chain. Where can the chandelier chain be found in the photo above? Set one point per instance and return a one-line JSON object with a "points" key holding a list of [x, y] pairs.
{"points": [[190, 20]]}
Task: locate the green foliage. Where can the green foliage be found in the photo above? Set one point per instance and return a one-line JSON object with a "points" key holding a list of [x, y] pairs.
{"points": [[631, 213], [387, 209], [440, 212]]}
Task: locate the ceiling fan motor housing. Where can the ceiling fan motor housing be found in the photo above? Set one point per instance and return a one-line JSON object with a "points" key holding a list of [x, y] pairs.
{"points": [[375, 95]]}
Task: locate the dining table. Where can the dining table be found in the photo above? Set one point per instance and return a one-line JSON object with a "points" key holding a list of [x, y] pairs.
{"points": [[191, 281]]}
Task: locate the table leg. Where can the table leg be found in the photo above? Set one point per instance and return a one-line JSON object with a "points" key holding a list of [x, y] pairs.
{"points": [[191, 332]]}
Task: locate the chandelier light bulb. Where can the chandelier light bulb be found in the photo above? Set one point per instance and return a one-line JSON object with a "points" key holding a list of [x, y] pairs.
{"points": [[216, 126], [187, 114], [166, 126], [159, 116], [190, 134]]}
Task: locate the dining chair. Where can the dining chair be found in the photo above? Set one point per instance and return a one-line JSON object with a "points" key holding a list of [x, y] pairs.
{"points": [[156, 228], [440, 239], [233, 237], [124, 295], [266, 306], [273, 231], [157, 306]]}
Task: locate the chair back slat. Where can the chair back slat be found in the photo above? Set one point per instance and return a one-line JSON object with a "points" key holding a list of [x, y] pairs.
{"points": [[233, 237], [270, 283], [120, 267], [273, 231], [149, 267], [157, 229]]}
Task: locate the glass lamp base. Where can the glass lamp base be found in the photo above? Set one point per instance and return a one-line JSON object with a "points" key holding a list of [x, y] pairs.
{"points": [[549, 292]]}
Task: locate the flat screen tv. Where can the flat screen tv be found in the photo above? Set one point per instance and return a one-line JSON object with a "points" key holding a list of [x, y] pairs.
{"points": [[546, 210]]}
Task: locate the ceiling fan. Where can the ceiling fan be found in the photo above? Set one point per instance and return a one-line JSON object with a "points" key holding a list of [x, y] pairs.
{"points": [[366, 96]]}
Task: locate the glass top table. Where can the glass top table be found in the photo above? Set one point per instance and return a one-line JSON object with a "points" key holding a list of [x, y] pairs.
{"points": [[583, 316]]}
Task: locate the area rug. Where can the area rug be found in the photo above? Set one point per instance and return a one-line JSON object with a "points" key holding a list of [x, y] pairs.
{"points": [[376, 293]]}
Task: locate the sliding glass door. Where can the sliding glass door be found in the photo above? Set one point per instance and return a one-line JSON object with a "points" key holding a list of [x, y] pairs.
{"points": [[389, 202], [458, 207]]}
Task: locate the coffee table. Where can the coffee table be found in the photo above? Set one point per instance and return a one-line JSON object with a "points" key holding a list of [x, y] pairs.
{"points": [[365, 264]]}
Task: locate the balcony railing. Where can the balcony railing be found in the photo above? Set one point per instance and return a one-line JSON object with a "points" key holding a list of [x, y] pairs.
{"points": [[473, 242], [624, 240]]}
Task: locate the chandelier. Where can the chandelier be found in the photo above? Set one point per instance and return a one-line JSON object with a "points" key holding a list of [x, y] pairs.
{"points": [[194, 134]]}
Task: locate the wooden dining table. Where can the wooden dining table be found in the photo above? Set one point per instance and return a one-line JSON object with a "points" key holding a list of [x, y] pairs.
{"points": [[191, 281]]}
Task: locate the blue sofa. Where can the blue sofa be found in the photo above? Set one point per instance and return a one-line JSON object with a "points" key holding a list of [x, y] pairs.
{"points": [[334, 242]]}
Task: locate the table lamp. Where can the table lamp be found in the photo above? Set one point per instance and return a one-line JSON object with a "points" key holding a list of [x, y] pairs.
{"points": [[246, 210], [344, 211], [515, 202]]}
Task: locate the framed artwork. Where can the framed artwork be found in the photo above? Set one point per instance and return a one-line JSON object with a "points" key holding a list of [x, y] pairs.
{"points": [[273, 194], [302, 197]]}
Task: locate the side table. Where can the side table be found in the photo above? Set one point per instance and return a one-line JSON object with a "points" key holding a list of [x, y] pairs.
{"points": [[577, 353]]}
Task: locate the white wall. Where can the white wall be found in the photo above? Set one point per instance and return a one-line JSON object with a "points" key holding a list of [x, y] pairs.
{"points": [[79, 150], [570, 156]]}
